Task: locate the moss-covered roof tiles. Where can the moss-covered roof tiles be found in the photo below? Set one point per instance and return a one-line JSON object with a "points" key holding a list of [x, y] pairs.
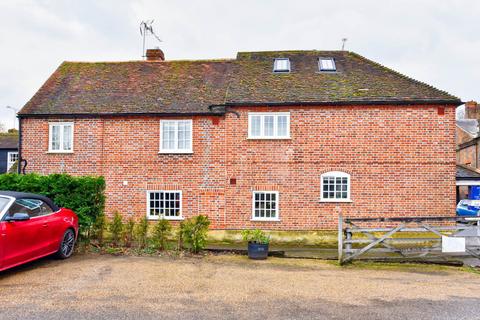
{"points": [[177, 87]]}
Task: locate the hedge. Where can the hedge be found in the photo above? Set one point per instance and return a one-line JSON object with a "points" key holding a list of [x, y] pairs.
{"points": [[84, 195]]}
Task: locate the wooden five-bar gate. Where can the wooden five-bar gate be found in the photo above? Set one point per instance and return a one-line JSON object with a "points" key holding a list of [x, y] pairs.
{"points": [[407, 237]]}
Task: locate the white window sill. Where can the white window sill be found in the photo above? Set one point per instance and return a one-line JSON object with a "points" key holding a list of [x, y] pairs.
{"points": [[269, 138], [61, 152], [337, 200], [166, 218], [174, 152], [265, 220]]}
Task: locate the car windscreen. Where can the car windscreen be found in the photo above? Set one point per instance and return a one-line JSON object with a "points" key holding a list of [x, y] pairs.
{"points": [[3, 202]]}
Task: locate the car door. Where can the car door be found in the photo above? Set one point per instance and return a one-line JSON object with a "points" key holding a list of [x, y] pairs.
{"points": [[4, 204], [25, 240]]}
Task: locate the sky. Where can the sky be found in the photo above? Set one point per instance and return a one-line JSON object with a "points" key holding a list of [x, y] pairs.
{"points": [[434, 41]]}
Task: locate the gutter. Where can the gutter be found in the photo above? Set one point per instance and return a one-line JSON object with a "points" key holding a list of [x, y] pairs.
{"points": [[348, 102], [222, 109], [97, 115]]}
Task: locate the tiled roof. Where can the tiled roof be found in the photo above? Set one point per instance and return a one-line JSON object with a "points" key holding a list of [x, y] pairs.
{"points": [[8, 141], [193, 86], [467, 172]]}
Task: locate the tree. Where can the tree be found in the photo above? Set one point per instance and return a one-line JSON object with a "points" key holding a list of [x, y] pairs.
{"points": [[2, 127]]}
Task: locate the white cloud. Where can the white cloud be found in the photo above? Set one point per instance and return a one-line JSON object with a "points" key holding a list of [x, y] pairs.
{"points": [[434, 41]]}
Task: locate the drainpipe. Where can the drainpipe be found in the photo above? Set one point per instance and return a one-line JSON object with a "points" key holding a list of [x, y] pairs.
{"points": [[20, 159], [19, 164]]}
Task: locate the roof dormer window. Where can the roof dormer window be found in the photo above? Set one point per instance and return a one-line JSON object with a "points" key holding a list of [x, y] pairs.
{"points": [[281, 65], [326, 64]]}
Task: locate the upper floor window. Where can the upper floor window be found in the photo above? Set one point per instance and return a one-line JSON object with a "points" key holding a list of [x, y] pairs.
{"points": [[60, 137], [269, 125], [335, 186], [281, 65], [12, 157], [326, 64], [176, 136]]}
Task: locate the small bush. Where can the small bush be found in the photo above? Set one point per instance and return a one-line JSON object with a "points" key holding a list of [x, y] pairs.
{"points": [[194, 232], [98, 228], [161, 232], [116, 228], [142, 232], [128, 232], [255, 236]]}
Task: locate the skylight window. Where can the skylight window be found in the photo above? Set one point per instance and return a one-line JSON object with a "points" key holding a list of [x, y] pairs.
{"points": [[327, 64], [281, 65]]}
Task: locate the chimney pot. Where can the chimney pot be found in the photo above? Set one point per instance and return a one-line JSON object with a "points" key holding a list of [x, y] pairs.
{"points": [[155, 55]]}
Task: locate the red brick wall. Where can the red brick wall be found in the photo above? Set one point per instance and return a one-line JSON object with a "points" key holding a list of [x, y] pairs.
{"points": [[401, 161]]}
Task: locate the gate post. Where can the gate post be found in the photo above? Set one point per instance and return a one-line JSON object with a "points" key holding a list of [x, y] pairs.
{"points": [[340, 238]]}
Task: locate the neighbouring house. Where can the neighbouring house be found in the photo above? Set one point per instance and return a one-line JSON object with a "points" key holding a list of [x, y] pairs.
{"points": [[278, 140], [467, 136], [467, 140], [8, 151]]}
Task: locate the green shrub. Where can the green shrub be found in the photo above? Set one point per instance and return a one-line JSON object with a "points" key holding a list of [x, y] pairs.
{"points": [[161, 232], [194, 232], [128, 233], [84, 195], [116, 228], [142, 232], [98, 228], [256, 236]]}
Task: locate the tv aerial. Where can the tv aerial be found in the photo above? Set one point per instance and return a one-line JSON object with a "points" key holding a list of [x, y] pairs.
{"points": [[147, 29]]}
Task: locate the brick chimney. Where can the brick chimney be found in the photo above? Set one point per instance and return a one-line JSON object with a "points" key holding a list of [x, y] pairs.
{"points": [[155, 55], [472, 110]]}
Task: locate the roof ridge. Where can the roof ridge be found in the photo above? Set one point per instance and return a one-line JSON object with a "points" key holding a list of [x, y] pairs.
{"points": [[402, 75], [151, 62]]}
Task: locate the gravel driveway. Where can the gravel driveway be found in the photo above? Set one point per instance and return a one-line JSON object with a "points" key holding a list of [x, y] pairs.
{"points": [[232, 287]]}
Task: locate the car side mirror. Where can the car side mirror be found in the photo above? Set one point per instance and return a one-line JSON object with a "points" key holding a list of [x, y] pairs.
{"points": [[18, 217]]}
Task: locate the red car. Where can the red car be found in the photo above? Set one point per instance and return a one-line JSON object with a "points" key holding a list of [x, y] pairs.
{"points": [[32, 226]]}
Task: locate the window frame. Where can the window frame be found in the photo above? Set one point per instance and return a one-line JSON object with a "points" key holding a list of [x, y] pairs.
{"points": [[152, 217], [176, 150], [321, 69], [262, 125], [9, 162], [62, 125], [336, 174], [289, 66], [277, 206]]}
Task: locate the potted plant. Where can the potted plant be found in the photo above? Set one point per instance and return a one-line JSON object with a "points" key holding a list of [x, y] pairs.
{"points": [[257, 243]]}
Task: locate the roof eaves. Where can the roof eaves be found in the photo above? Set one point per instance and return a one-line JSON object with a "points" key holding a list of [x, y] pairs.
{"points": [[119, 114], [347, 102]]}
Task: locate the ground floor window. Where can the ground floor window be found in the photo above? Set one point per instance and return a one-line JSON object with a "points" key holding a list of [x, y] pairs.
{"points": [[164, 204], [335, 186], [265, 205]]}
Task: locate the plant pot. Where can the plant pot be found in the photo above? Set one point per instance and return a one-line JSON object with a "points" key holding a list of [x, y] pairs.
{"points": [[257, 251]]}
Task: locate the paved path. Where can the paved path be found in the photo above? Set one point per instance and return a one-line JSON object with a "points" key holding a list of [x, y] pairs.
{"points": [[232, 287]]}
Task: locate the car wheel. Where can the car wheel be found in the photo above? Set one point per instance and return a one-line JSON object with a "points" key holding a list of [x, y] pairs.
{"points": [[67, 245]]}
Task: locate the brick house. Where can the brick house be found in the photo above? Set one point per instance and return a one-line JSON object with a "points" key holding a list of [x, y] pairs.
{"points": [[467, 137], [274, 140]]}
